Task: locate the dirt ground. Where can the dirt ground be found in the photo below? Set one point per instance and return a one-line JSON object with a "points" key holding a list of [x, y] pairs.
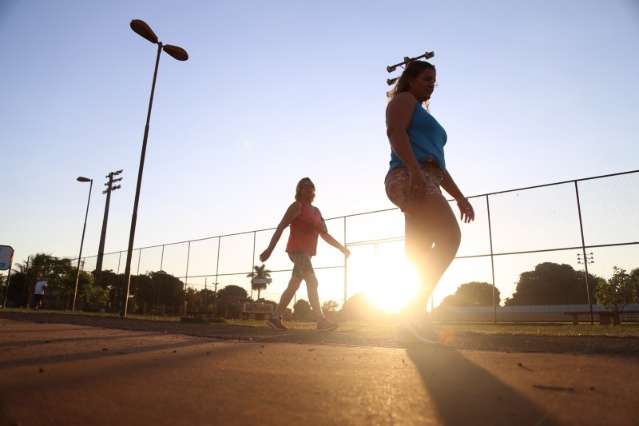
{"points": [[66, 370]]}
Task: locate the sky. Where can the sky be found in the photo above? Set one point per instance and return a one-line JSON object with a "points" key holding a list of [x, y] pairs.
{"points": [[529, 92]]}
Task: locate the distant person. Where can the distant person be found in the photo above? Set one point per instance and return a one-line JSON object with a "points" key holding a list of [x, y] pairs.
{"points": [[306, 225], [417, 170], [38, 292]]}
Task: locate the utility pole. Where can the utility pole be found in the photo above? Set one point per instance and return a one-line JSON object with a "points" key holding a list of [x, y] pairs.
{"points": [[107, 191], [586, 259]]}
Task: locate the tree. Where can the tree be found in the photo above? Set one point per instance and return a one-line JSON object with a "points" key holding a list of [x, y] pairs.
{"points": [[92, 296], [58, 272], [553, 284], [143, 291], [17, 292], [618, 291], [232, 292], [359, 307], [167, 291], [260, 278], [329, 306], [230, 299], [473, 294], [302, 311], [634, 277]]}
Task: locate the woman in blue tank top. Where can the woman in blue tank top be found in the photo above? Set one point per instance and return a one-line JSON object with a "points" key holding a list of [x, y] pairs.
{"points": [[417, 170]]}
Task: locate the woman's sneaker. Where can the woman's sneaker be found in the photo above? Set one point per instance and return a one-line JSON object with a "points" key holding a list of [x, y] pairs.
{"points": [[276, 324], [326, 325]]}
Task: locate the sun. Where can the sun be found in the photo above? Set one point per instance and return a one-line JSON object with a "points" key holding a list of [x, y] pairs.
{"points": [[385, 276]]}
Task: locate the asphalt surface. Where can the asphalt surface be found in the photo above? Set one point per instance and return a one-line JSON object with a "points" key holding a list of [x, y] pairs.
{"points": [[57, 373]]}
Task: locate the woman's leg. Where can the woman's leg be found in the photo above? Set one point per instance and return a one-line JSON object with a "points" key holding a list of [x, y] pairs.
{"points": [[293, 285], [432, 240], [313, 295]]}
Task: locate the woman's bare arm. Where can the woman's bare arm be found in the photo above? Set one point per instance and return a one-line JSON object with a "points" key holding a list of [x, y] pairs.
{"points": [[292, 212]]}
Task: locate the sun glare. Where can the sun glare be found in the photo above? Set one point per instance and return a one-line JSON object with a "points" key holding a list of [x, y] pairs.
{"points": [[385, 276]]}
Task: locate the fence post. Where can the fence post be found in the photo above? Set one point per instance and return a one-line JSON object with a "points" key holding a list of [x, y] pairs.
{"points": [[139, 259], [186, 277], [253, 260], [217, 266], [188, 259], [6, 289], [345, 268], [583, 249], [119, 260], [492, 258]]}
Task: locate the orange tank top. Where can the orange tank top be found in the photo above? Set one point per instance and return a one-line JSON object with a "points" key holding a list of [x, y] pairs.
{"points": [[304, 231]]}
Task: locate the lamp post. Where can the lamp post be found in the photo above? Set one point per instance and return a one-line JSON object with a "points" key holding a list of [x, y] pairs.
{"points": [[142, 29], [84, 228]]}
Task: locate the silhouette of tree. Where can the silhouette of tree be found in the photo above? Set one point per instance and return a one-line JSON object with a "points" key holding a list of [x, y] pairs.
{"points": [[167, 290], [618, 291], [302, 311], [232, 292], [18, 290], [260, 278], [634, 278], [60, 276], [359, 307], [553, 284], [230, 299], [473, 294], [329, 306]]}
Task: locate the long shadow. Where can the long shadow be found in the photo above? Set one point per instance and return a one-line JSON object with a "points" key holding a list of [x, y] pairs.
{"points": [[49, 341], [81, 356], [465, 394], [48, 330]]}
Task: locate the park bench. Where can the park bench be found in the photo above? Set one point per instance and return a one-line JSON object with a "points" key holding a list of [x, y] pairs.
{"points": [[605, 317]]}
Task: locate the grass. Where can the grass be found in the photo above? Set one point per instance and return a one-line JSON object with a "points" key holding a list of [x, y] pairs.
{"points": [[533, 329], [95, 314], [385, 326], [548, 329]]}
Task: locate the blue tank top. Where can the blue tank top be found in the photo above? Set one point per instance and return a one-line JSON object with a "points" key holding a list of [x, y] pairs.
{"points": [[427, 139]]}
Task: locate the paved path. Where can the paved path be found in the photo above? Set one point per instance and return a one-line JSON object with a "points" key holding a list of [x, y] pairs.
{"points": [[68, 374]]}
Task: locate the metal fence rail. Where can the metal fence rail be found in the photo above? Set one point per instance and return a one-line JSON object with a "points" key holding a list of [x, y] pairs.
{"points": [[347, 219]]}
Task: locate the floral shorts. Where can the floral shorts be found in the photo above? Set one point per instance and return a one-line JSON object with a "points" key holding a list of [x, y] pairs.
{"points": [[396, 183], [302, 266]]}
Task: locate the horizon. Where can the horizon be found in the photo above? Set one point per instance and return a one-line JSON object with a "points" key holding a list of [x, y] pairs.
{"points": [[528, 95]]}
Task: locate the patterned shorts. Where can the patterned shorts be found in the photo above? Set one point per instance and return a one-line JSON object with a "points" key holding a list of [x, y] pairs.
{"points": [[396, 183], [302, 266]]}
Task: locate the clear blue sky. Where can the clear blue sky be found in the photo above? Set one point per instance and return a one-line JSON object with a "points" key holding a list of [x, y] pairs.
{"points": [[529, 92]]}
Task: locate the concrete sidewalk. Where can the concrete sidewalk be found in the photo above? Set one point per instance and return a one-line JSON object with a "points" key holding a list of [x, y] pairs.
{"points": [[62, 374]]}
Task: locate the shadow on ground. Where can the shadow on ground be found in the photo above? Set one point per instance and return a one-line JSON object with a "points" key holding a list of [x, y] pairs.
{"points": [[465, 394], [624, 346]]}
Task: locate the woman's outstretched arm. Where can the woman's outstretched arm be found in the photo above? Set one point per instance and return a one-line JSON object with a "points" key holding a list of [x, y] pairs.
{"points": [[292, 212]]}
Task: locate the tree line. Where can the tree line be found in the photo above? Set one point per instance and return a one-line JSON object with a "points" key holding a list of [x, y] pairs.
{"points": [[555, 284], [160, 293]]}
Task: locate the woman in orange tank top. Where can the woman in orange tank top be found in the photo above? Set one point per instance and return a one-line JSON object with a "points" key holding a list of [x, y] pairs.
{"points": [[307, 225]]}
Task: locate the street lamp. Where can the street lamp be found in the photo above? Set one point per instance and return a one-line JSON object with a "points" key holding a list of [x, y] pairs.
{"points": [[84, 228], [142, 28]]}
